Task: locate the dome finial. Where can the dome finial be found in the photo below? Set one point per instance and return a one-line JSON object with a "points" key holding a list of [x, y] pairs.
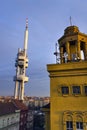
{"points": [[70, 21]]}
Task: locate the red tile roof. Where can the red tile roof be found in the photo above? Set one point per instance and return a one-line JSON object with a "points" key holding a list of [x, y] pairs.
{"points": [[19, 105], [11, 107]]}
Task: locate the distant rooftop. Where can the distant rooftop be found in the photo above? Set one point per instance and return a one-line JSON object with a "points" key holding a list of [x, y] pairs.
{"points": [[11, 107], [47, 106], [7, 108]]}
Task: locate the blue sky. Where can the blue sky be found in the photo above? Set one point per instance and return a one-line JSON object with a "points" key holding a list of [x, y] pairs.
{"points": [[47, 21]]}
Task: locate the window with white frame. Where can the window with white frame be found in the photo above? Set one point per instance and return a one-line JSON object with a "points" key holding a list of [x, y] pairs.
{"points": [[69, 125], [79, 125]]}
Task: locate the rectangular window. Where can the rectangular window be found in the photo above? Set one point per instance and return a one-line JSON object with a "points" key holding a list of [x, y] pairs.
{"points": [[76, 90], [65, 90], [79, 125], [3, 123], [69, 125], [85, 89], [8, 121]]}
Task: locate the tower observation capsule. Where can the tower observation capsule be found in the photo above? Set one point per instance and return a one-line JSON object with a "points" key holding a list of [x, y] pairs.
{"points": [[21, 64]]}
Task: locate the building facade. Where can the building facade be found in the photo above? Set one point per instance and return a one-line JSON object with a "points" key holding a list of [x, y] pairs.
{"points": [[9, 116], [23, 114], [68, 83], [46, 110], [30, 119]]}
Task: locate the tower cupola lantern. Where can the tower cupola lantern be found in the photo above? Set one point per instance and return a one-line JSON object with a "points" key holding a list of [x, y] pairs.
{"points": [[73, 45]]}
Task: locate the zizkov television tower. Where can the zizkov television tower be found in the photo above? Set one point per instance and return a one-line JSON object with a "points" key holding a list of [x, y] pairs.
{"points": [[21, 65]]}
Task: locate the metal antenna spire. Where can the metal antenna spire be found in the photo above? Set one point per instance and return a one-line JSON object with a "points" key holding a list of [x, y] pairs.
{"points": [[26, 22], [70, 21], [56, 53]]}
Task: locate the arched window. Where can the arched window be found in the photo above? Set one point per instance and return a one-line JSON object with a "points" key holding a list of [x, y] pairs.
{"points": [[74, 120], [68, 120], [79, 123]]}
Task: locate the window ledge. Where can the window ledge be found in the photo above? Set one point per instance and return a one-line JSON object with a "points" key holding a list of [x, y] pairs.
{"points": [[65, 95]]}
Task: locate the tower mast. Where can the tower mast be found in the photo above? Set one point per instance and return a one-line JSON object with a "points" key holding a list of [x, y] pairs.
{"points": [[21, 65], [26, 37]]}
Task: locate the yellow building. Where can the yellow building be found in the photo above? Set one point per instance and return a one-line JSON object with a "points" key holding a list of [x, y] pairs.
{"points": [[68, 83]]}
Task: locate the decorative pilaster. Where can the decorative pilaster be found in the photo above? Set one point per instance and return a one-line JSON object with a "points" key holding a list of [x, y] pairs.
{"points": [[68, 49], [85, 52], [64, 126], [78, 49]]}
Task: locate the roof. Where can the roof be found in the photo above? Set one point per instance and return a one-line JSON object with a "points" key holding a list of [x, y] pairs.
{"points": [[20, 105], [11, 107], [47, 106], [71, 31], [7, 108]]}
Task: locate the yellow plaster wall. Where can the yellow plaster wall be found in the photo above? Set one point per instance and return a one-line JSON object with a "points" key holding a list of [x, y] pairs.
{"points": [[67, 74], [61, 104]]}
